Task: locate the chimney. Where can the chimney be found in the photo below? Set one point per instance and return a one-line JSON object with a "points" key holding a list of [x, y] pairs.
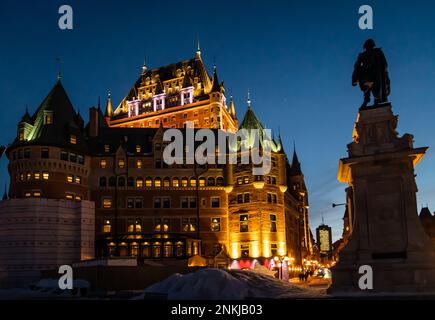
{"points": [[93, 122]]}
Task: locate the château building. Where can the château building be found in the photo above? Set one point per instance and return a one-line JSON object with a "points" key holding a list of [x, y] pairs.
{"points": [[150, 210]]}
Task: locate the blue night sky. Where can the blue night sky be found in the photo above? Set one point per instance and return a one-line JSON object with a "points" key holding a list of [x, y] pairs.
{"points": [[296, 58]]}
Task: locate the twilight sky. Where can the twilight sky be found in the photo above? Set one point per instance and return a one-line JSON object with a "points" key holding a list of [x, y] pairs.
{"points": [[296, 58]]}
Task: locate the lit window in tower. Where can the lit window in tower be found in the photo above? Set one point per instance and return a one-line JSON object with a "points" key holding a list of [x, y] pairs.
{"points": [[107, 227], [121, 163], [73, 139], [107, 203], [36, 175], [103, 164], [70, 178], [45, 175], [139, 164]]}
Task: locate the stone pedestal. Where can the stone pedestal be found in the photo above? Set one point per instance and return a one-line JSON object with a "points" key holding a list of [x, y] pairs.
{"points": [[387, 234]]}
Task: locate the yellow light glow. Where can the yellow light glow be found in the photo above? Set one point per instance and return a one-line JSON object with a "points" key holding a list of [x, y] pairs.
{"points": [[235, 250], [255, 250]]}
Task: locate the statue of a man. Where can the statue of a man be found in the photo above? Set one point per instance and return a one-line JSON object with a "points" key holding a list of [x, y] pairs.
{"points": [[371, 73]]}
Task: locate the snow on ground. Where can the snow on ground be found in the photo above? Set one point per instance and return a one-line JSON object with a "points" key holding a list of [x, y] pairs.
{"points": [[217, 284]]}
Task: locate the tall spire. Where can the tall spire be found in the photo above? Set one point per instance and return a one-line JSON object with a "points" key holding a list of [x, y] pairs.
{"points": [[249, 99], [109, 110], [296, 165], [59, 70], [215, 85], [232, 108], [198, 50], [99, 104]]}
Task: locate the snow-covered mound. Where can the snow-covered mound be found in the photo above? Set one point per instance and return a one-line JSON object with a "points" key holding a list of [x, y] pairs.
{"points": [[216, 284]]}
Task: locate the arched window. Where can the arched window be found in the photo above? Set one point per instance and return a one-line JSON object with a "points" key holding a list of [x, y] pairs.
{"points": [[112, 181], [175, 182], [166, 182], [157, 182], [193, 182], [211, 181], [184, 182], [103, 182], [139, 182], [149, 182], [121, 182], [219, 181], [130, 182], [202, 182]]}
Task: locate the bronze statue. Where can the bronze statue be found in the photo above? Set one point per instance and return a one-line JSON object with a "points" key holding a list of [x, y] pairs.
{"points": [[371, 73]]}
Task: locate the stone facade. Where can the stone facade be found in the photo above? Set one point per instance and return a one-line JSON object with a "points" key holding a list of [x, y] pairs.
{"points": [[42, 234]]}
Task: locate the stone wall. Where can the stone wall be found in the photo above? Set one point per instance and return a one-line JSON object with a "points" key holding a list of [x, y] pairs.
{"points": [[42, 234]]}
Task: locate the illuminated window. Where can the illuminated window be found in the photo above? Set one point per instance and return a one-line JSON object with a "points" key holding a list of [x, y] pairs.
{"points": [[239, 180], [245, 179], [103, 164], [45, 175], [244, 223], [106, 148], [73, 139], [36, 175], [139, 183], [121, 163], [107, 203], [28, 176], [107, 227], [166, 182], [192, 182], [48, 119], [37, 194], [69, 196], [139, 164], [138, 149], [27, 194], [70, 178], [157, 182], [21, 135], [215, 224], [161, 226], [188, 224], [184, 182], [78, 198], [148, 182], [273, 223], [78, 179], [175, 182], [202, 182]]}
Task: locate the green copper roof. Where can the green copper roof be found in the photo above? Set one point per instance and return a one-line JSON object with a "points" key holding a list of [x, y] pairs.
{"points": [[250, 120]]}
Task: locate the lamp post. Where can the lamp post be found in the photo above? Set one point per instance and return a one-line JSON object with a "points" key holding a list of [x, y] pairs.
{"points": [[280, 260]]}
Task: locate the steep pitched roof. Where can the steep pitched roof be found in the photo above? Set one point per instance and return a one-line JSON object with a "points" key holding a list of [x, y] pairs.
{"points": [[295, 168], [425, 213], [215, 85], [250, 120], [65, 121]]}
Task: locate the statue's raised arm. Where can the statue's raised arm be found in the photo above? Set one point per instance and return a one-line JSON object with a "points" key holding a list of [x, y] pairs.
{"points": [[371, 73]]}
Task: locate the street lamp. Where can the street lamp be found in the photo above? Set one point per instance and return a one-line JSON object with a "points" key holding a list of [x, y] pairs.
{"points": [[281, 259]]}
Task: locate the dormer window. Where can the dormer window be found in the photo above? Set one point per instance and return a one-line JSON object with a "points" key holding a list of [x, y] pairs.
{"points": [[48, 118]]}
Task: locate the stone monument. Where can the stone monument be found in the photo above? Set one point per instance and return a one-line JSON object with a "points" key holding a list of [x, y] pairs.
{"points": [[386, 233]]}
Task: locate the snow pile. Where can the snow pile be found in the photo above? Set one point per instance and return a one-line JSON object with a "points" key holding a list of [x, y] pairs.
{"points": [[216, 284]]}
